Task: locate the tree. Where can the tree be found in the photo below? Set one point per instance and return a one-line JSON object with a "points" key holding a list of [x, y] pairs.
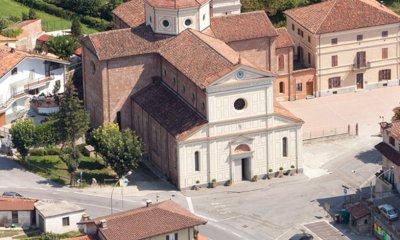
{"points": [[22, 133], [70, 156], [46, 134], [72, 121], [25, 16], [62, 46], [32, 14], [396, 116], [121, 150], [76, 28], [4, 23]]}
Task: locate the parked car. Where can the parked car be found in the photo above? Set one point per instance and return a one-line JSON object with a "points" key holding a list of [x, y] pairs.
{"points": [[302, 236], [388, 211], [12, 194]]}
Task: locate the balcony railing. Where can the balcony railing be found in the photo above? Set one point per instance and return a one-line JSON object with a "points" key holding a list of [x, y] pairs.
{"points": [[362, 65], [12, 99], [35, 83]]}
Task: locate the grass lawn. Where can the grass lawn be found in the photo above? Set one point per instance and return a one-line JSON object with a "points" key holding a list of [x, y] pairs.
{"points": [[49, 22], [51, 167], [10, 233]]}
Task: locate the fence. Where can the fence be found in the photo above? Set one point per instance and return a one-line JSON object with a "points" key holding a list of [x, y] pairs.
{"points": [[320, 134]]}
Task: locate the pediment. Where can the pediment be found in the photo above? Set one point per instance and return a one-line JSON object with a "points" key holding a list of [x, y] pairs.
{"points": [[243, 73]]}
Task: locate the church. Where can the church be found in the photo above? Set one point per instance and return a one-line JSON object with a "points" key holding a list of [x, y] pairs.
{"points": [[195, 79]]}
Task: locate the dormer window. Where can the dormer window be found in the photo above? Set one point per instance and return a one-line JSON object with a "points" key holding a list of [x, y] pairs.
{"points": [[14, 71]]}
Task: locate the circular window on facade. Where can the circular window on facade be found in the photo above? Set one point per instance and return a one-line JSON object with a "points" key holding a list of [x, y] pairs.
{"points": [[188, 22], [239, 104], [165, 23], [240, 75]]}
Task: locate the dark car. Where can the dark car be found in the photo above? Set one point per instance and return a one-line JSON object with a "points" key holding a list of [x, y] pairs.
{"points": [[302, 236], [12, 194]]}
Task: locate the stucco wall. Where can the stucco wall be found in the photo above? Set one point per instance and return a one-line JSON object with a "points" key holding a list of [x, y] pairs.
{"points": [[55, 224], [185, 234], [24, 218], [257, 51]]}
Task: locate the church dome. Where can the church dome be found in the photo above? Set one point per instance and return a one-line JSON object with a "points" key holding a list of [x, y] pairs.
{"points": [[174, 16]]}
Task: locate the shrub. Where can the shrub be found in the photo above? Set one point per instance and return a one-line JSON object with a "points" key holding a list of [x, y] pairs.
{"points": [[197, 182], [292, 166], [255, 178], [52, 151], [228, 183], [81, 147], [11, 32], [281, 169], [214, 180], [38, 152], [270, 170]]}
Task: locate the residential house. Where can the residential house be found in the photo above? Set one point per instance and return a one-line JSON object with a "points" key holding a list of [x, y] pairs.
{"points": [[16, 211], [11, 42], [23, 75], [352, 44], [360, 217], [199, 91], [390, 150], [158, 221], [58, 216], [31, 31]]}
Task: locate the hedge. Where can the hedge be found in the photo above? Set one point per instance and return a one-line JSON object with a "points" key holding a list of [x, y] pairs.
{"points": [[92, 22]]}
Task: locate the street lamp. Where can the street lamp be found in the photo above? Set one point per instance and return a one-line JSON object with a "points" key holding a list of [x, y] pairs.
{"points": [[123, 176]]}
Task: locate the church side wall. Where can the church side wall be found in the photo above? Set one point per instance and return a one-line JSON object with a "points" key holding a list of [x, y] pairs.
{"points": [[126, 76], [94, 74], [254, 50]]}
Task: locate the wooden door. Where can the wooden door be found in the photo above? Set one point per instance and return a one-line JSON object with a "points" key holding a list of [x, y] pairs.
{"points": [[3, 120], [310, 88], [360, 81]]}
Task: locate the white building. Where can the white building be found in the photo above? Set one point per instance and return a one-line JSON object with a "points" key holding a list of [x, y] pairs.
{"points": [[58, 216], [16, 211], [23, 75]]}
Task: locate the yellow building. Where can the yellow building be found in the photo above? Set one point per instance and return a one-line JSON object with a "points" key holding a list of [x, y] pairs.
{"points": [[352, 44]]}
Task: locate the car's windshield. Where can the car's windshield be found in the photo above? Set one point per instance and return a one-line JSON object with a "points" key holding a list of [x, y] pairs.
{"points": [[391, 211]]}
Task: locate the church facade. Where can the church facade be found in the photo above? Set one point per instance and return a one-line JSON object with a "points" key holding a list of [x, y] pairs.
{"points": [[197, 88]]}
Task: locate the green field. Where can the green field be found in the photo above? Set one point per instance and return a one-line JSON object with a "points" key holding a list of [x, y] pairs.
{"points": [[49, 22]]}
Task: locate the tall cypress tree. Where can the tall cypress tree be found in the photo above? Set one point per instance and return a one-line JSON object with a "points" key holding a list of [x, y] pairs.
{"points": [[76, 28]]}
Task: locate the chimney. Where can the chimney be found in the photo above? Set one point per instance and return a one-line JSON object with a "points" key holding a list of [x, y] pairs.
{"points": [[85, 217], [103, 223], [148, 202]]}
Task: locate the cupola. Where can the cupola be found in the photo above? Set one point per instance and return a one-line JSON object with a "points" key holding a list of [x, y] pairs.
{"points": [[174, 16]]}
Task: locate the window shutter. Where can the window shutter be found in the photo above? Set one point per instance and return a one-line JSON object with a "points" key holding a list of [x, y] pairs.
{"points": [[176, 236], [330, 82], [389, 75], [380, 75], [167, 237], [339, 82]]}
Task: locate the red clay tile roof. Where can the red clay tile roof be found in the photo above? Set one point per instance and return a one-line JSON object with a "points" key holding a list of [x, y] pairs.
{"points": [[24, 23], [3, 38], [340, 15], [281, 111], [284, 39], [9, 59], [131, 12], [16, 204], [202, 58], [358, 211], [146, 222], [237, 27], [393, 128], [84, 237], [125, 42], [43, 38], [169, 110], [389, 152], [175, 4]]}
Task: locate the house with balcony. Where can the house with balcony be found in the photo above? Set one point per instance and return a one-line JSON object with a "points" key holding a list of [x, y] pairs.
{"points": [[352, 44], [390, 150], [24, 75]]}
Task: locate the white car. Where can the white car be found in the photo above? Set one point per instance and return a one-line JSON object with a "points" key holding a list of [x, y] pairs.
{"points": [[389, 212]]}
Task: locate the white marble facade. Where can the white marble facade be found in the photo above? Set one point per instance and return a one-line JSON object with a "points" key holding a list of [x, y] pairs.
{"points": [[238, 144]]}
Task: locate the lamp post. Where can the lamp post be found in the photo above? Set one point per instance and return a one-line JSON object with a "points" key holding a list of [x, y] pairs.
{"points": [[119, 179]]}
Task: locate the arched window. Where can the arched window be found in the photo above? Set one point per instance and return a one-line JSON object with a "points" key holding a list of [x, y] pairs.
{"points": [[197, 161], [284, 147], [281, 62], [281, 87]]}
